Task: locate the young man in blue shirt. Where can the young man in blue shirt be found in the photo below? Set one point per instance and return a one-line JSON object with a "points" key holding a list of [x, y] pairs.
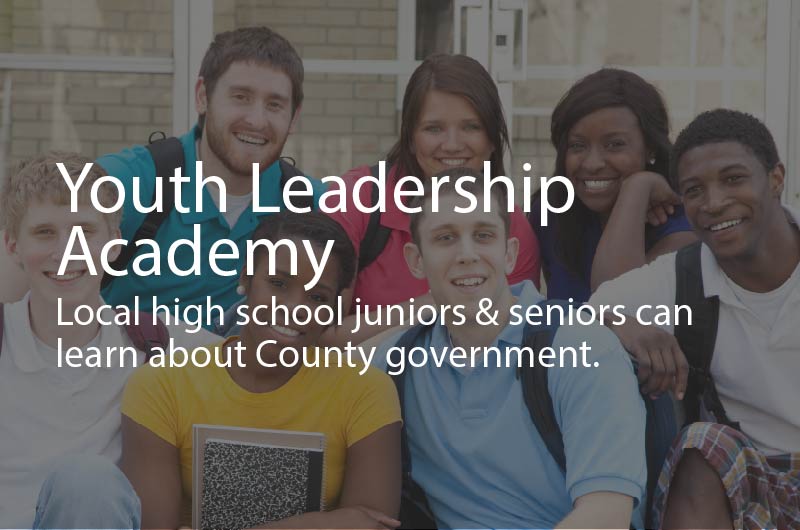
{"points": [[473, 447], [248, 97]]}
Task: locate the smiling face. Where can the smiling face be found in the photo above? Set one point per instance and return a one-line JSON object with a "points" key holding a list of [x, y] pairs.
{"points": [[40, 244], [289, 291], [248, 117], [603, 148], [449, 133], [730, 199], [464, 256]]}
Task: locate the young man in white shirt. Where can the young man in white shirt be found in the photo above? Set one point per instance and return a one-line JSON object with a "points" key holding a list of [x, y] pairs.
{"points": [[60, 425], [743, 468]]}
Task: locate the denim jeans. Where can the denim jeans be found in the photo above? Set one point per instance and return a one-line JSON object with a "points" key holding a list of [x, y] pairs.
{"points": [[87, 491]]}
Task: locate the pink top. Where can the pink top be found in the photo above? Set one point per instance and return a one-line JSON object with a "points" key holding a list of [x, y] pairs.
{"points": [[387, 280]]}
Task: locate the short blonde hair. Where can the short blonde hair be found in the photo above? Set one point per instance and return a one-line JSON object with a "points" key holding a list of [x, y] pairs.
{"points": [[39, 178]]}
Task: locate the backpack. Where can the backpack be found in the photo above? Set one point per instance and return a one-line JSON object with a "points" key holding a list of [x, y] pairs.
{"points": [[698, 340], [146, 336], [167, 155], [659, 433], [377, 235], [414, 509]]}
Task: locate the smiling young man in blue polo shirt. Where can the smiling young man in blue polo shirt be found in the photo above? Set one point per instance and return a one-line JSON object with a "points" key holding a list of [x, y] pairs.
{"points": [[248, 98], [474, 449]]}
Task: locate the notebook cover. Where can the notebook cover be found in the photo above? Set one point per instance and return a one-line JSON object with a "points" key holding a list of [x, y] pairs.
{"points": [[247, 477]]}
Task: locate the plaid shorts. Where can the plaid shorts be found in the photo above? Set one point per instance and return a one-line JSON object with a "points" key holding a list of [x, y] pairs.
{"points": [[764, 492]]}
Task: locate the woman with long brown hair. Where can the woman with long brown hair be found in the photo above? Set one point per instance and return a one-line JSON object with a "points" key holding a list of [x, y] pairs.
{"points": [[452, 117]]}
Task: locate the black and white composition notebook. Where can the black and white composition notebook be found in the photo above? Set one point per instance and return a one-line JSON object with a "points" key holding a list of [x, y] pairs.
{"points": [[247, 477]]}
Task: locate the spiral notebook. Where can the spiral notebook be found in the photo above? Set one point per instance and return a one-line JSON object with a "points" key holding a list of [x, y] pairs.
{"points": [[248, 477]]}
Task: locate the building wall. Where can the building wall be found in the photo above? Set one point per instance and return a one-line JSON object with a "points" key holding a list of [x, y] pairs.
{"points": [[636, 33], [348, 120], [88, 112]]}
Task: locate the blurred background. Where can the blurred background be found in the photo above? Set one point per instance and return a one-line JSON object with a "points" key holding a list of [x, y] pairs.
{"points": [[98, 75]]}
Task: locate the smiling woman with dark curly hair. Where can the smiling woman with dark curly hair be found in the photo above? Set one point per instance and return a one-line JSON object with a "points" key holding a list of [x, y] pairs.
{"points": [[611, 134]]}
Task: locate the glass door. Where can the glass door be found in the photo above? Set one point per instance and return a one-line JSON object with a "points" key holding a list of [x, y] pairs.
{"points": [[701, 54]]}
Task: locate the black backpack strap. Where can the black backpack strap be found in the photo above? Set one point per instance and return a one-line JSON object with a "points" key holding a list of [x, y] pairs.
{"points": [[414, 509], [167, 154], [698, 340], [536, 393], [376, 236], [148, 334], [289, 170]]}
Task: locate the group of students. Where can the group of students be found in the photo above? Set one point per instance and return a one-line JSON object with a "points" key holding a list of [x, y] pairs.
{"points": [[451, 446]]}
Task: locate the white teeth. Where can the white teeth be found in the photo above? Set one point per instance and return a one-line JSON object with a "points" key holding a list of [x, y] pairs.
{"points": [[468, 282], [597, 184], [289, 332], [454, 161], [66, 276], [724, 225], [250, 139]]}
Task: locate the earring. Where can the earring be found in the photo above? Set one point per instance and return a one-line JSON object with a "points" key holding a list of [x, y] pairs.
{"points": [[240, 290]]}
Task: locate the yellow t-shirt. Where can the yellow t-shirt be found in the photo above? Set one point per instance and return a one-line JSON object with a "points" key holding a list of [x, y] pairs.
{"points": [[338, 402]]}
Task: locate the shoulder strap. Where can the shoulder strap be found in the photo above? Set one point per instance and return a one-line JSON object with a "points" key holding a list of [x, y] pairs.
{"points": [[698, 340], [289, 170], [376, 236], [167, 154], [535, 391], [414, 509], [148, 334]]}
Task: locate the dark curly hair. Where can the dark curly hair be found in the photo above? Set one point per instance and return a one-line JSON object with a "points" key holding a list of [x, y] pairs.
{"points": [[725, 125], [317, 228]]}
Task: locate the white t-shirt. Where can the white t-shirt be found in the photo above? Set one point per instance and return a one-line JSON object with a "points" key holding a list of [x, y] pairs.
{"points": [[235, 207], [766, 307], [756, 362], [236, 204], [48, 413]]}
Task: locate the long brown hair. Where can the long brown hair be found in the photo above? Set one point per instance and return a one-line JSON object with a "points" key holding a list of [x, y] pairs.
{"points": [[459, 75]]}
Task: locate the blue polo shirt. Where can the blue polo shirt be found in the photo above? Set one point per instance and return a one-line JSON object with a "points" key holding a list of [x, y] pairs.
{"points": [[477, 454], [136, 161]]}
